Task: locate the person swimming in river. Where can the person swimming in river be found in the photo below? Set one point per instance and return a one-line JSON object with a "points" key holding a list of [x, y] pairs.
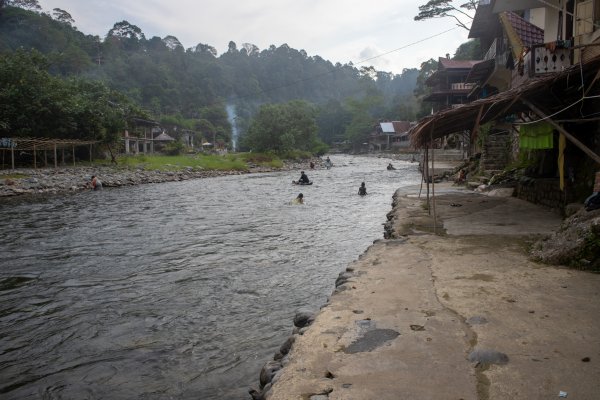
{"points": [[303, 178], [390, 167], [299, 199], [95, 183], [362, 190]]}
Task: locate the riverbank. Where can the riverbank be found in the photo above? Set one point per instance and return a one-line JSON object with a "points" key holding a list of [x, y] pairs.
{"points": [[461, 314], [43, 181]]}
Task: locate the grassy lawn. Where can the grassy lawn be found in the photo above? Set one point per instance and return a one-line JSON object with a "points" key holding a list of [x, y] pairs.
{"points": [[14, 176]]}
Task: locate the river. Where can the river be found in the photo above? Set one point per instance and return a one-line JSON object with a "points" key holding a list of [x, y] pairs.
{"points": [[176, 290]]}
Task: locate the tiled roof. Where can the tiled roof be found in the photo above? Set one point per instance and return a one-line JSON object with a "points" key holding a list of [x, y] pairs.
{"points": [[529, 33]]}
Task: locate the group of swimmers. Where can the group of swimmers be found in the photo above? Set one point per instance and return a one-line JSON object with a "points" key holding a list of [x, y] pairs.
{"points": [[362, 190]]}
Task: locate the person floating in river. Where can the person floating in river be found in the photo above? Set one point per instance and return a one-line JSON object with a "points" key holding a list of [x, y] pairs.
{"points": [[95, 183], [312, 165], [390, 167], [303, 178], [362, 190], [299, 199]]}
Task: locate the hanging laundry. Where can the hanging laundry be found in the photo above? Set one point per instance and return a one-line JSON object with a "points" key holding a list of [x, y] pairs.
{"points": [[510, 61], [538, 135]]}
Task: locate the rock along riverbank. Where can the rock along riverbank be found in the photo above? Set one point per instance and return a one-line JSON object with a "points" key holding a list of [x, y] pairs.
{"points": [[448, 309], [72, 179]]}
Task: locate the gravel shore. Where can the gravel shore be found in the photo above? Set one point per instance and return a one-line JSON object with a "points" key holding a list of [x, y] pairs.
{"points": [[41, 181]]}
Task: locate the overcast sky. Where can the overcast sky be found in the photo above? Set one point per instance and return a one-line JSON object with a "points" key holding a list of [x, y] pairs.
{"points": [[337, 30]]}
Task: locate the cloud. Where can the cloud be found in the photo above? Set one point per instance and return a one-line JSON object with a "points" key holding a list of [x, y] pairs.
{"points": [[337, 30]]}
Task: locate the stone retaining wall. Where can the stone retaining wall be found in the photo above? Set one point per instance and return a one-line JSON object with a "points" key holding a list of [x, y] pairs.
{"points": [[495, 152], [545, 192]]}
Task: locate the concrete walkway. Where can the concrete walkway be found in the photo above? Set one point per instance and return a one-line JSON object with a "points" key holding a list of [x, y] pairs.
{"points": [[458, 315]]}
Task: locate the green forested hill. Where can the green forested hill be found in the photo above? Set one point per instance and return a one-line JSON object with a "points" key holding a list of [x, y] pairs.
{"points": [[203, 91]]}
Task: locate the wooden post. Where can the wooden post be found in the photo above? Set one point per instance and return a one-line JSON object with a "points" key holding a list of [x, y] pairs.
{"points": [[63, 156], [55, 157], [90, 152], [476, 129], [127, 142], [34, 157], [562, 130], [45, 158], [73, 155], [422, 174], [12, 156], [427, 177], [433, 188]]}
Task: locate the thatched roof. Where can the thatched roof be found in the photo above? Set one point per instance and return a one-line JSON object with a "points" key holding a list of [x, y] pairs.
{"points": [[163, 137], [550, 93]]}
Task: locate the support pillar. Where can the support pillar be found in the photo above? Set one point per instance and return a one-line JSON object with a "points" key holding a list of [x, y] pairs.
{"points": [[34, 157], [12, 156], [55, 157], [126, 142], [73, 155]]}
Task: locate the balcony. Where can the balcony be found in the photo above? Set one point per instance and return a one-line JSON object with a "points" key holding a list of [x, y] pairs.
{"points": [[452, 88], [461, 86], [546, 61], [497, 51]]}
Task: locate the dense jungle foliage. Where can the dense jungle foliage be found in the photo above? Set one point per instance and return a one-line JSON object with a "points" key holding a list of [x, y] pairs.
{"points": [[56, 81]]}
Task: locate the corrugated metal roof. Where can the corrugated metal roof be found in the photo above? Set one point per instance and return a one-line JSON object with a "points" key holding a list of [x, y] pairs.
{"points": [[395, 127], [387, 127]]}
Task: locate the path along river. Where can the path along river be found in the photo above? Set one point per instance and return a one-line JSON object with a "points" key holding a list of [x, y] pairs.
{"points": [[176, 290]]}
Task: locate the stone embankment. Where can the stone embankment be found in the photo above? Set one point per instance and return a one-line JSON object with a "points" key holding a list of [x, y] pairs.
{"points": [[73, 179], [450, 307]]}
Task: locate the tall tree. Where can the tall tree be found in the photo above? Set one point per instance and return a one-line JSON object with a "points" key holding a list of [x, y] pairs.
{"points": [[62, 16], [172, 43], [126, 30], [470, 50], [33, 5], [446, 8], [283, 127]]}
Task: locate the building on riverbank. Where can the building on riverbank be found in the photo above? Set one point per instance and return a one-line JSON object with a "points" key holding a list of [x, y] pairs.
{"points": [[464, 314], [543, 116]]}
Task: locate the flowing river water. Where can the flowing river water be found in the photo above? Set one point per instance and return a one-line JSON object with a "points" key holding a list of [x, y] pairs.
{"points": [[176, 290]]}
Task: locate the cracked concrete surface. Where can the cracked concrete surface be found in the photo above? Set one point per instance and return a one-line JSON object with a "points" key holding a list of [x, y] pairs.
{"points": [[418, 306]]}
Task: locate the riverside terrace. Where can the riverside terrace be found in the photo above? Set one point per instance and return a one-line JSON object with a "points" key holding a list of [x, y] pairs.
{"points": [[464, 314]]}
